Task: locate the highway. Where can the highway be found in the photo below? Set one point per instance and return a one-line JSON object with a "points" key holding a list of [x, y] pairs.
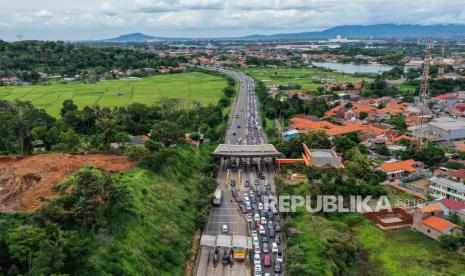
{"points": [[244, 128]]}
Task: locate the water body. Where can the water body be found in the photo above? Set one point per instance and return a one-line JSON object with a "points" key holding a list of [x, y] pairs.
{"points": [[353, 68]]}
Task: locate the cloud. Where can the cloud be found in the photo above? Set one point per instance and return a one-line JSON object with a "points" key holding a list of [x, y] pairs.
{"points": [[212, 18], [44, 13], [157, 6], [108, 8]]}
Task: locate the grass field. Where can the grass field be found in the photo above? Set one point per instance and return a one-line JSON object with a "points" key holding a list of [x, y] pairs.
{"points": [[404, 252], [308, 78], [200, 87]]}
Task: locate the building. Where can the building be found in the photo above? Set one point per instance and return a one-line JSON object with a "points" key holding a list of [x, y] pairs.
{"points": [[448, 128], [441, 188], [429, 220], [401, 169], [321, 157]]}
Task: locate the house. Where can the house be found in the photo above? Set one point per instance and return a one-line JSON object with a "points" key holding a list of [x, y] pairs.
{"points": [[288, 135], [321, 157], [38, 145], [134, 141], [441, 187], [401, 169], [429, 219]]}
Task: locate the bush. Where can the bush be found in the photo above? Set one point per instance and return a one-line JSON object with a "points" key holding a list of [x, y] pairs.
{"points": [[136, 153]]}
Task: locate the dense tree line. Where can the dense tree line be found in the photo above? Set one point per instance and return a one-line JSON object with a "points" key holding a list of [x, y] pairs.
{"points": [[286, 107], [26, 59]]}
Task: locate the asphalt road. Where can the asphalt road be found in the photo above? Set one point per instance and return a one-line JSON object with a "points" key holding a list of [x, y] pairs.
{"points": [[245, 128]]}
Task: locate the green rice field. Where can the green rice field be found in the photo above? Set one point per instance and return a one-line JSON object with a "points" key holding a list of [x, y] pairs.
{"points": [[309, 78], [191, 86]]}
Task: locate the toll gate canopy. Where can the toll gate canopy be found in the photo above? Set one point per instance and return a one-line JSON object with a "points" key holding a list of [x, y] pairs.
{"points": [[262, 150]]}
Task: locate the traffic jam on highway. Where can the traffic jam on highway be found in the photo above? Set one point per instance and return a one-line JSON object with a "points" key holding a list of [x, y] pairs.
{"points": [[257, 205]]}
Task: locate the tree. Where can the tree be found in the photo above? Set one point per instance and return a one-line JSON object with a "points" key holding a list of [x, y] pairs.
{"points": [[90, 198], [398, 122], [109, 129], [363, 115], [451, 242], [136, 153], [383, 150], [70, 140], [166, 132], [68, 106], [343, 143]]}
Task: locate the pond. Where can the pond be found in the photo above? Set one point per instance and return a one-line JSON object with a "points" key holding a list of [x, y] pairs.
{"points": [[352, 68]]}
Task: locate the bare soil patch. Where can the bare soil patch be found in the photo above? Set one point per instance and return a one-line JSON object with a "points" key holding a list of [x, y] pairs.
{"points": [[24, 179]]}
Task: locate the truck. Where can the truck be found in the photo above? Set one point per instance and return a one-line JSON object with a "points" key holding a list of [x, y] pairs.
{"points": [[217, 197]]}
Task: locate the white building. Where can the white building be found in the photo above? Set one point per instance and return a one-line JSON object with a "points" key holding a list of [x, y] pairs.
{"points": [[444, 188], [448, 128]]}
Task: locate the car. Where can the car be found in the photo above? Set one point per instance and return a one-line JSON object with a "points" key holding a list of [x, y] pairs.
{"points": [[256, 246], [261, 230], [265, 248], [266, 261], [249, 217], [225, 228], [264, 239], [254, 233], [256, 217], [233, 183], [277, 267], [260, 206], [279, 257], [243, 209], [261, 176], [267, 274], [238, 199], [225, 260], [247, 183], [277, 239], [272, 233], [263, 220], [238, 126], [270, 225], [258, 268], [277, 227], [237, 116], [256, 259], [253, 226], [274, 248], [234, 134]]}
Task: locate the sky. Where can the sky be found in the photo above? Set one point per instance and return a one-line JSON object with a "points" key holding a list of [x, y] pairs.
{"points": [[95, 19]]}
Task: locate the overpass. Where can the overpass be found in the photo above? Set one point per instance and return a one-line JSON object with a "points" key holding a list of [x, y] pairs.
{"points": [[252, 151]]}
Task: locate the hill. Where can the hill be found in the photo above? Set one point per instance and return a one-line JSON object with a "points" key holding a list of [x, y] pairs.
{"points": [[134, 37], [379, 30]]}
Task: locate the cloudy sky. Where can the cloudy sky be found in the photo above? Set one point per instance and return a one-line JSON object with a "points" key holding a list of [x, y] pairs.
{"points": [[85, 19]]}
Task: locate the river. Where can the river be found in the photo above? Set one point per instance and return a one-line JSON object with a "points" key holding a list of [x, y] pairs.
{"points": [[352, 68]]}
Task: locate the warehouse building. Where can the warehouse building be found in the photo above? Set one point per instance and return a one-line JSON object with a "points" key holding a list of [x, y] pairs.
{"points": [[447, 128]]}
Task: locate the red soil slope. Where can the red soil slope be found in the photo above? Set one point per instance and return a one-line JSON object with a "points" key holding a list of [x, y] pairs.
{"points": [[24, 180]]}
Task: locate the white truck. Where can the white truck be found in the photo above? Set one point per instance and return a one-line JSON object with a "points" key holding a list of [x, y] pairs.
{"points": [[217, 197]]}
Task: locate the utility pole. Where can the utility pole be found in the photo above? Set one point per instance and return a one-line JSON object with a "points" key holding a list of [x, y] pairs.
{"points": [[424, 91]]}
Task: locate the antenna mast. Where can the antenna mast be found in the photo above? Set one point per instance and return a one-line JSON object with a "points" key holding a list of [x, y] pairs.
{"points": [[424, 91], [442, 64]]}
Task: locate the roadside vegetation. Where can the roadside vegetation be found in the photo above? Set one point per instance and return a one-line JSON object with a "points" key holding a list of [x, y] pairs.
{"points": [[131, 223], [137, 222]]}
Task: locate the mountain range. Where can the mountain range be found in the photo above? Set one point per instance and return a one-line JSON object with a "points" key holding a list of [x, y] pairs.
{"points": [[353, 31]]}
